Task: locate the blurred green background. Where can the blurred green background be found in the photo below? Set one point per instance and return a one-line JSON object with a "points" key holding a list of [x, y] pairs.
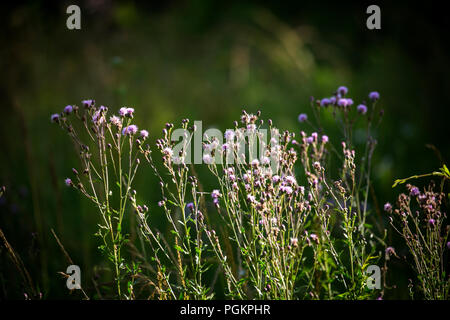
{"points": [[207, 61]]}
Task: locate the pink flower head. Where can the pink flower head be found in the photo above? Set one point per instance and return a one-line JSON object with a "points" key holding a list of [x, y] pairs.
{"points": [[387, 207], [54, 117], [68, 109], [302, 117], [88, 103], [144, 134], [374, 96], [361, 109], [130, 130]]}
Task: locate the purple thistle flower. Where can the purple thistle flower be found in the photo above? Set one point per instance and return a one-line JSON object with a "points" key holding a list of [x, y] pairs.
{"points": [[68, 182], [387, 207], [208, 159], [68, 109], [229, 135], [342, 102], [144, 134], [324, 139], [130, 112], [390, 251], [302, 117], [310, 140], [54, 117], [88, 103], [215, 194], [342, 90], [325, 102], [115, 120], [314, 237], [190, 206], [333, 100], [431, 221], [123, 112], [414, 191], [126, 112], [130, 130], [362, 109], [374, 96], [98, 117], [286, 189], [448, 245]]}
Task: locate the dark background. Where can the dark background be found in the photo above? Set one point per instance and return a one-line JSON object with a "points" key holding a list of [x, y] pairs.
{"points": [[203, 60]]}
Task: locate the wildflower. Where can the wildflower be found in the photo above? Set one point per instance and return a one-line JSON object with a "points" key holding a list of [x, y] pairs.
{"points": [[215, 194], [310, 140], [362, 109], [190, 206], [160, 203], [342, 90], [414, 191], [448, 245], [325, 102], [302, 190], [294, 242], [342, 102], [314, 237], [387, 207], [251, 127], [290, 179], [208, 159], [88, 103], [130, 130], [265, 161], [302, 117], [123, 112], [255, 163], [324, 139], [431, 222], [68, 109], [225, 147], [126, 112], [316, 165], [68, 182], [374, 96], [115, 121], [54, 117], [251, 198], [98, 117], [333, 100], [168, 151], [144, 134], [229, 135], [286, 189], [390, 251], [276, 179]]}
